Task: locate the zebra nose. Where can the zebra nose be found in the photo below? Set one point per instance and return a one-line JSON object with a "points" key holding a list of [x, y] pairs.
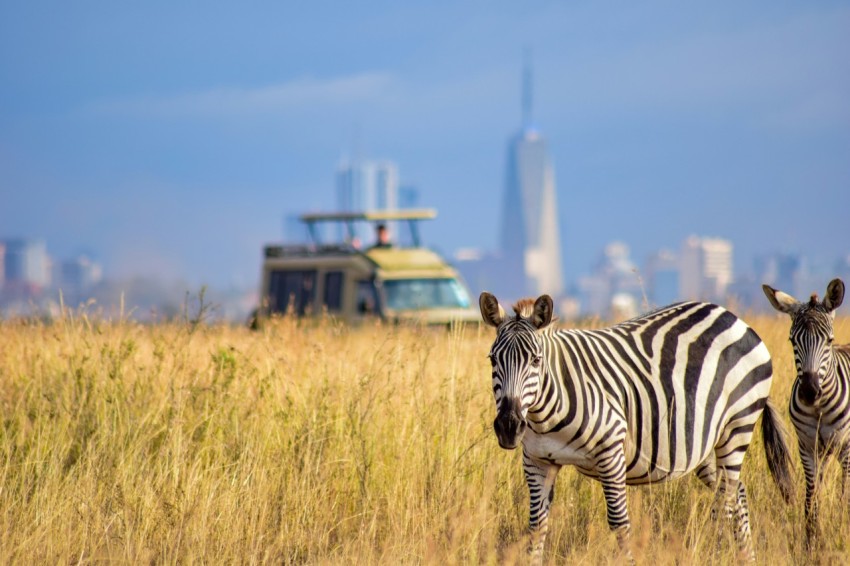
{"points": [[509, 426], [810, 386]]}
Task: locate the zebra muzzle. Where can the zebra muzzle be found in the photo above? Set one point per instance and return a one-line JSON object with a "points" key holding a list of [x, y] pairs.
{"points": [[509, 426], [810, 388]]}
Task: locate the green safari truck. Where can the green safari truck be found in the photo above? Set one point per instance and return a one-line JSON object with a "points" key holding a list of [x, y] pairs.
{"points": [[397, 283]]}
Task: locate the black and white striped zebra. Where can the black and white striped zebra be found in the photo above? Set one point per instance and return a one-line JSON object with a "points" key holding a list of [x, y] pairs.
{"points": [[820, 397], [648, 400]]}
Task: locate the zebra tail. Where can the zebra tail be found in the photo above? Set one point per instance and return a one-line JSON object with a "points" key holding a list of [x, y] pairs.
{"points": [[776, 451]]}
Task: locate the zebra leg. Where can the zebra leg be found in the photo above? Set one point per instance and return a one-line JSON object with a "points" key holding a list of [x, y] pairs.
{"points": [[540, 477], [743, 535], [813, 472], [611, 468], [731, 500], [844, 458], [731, 494], [707, 473]]}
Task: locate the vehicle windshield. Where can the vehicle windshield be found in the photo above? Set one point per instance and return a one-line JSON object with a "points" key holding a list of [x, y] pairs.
{"points": [[408, 294]]}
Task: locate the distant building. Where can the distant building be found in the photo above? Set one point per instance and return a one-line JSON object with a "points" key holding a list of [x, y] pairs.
{"points": [[614, 289], [784, 271], [366, 185], [531, 243], [480, 270], [26, 266], [77, 276], [705, 268], [2, 264], [408, 196], [662, 278]]}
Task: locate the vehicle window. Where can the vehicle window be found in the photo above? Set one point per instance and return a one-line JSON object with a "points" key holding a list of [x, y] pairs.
{"points": [[292, 290], [333, 291], [406, 294], [367, 298]]}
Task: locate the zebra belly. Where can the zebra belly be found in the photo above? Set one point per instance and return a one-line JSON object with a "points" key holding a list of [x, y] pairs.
{"points": [[550, 448]]}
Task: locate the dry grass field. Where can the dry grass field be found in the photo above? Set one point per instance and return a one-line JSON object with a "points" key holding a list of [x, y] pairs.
{"points": [[317, 443]]}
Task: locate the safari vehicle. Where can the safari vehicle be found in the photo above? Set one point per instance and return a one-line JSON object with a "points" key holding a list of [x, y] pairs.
{"points": [[396, 283]]}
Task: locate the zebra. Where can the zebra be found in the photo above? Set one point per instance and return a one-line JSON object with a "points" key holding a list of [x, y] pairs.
{"points": [[647, 400], [820, 397]]}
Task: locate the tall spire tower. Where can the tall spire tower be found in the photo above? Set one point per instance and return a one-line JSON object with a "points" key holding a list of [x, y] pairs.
{"points": [[527, 84], [530, 231]]}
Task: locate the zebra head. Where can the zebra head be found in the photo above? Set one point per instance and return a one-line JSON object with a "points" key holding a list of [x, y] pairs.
{"points": [[811, 335], [517, 359]]}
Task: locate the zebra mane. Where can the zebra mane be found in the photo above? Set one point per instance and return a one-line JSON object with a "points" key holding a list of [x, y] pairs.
{"points": [[524, 308]]}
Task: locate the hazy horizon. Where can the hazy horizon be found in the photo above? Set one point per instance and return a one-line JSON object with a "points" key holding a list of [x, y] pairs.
{"points": [[171, 141]]}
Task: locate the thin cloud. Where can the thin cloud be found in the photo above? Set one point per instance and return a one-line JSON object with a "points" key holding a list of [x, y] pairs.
{"points": [[238, 101]]}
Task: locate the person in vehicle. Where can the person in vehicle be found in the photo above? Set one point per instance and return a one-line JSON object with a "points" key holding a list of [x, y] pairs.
{"points": [[382, 237]]}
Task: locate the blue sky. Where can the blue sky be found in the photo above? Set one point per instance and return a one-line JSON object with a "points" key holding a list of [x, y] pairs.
{"points": [[170, 138]]}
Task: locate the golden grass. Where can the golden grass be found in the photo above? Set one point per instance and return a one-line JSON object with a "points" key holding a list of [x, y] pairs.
{"points": [[316, 443]]}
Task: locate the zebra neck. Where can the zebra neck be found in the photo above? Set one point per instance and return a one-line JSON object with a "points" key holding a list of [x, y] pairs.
{"points": [[841, 367], [562, 395]]}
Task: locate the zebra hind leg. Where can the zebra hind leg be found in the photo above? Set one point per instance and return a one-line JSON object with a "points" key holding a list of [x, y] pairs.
{"points": [[731, 502], [743, 536], [612, 474]]}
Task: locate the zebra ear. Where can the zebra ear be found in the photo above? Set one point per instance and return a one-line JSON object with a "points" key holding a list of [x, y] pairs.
{"points": [[542, 314], [781, 301], [491, 311], [834, 294]]}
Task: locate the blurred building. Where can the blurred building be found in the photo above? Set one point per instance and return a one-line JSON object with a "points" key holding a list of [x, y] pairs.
{"points": [[408, 196], [480, 270], [531, 245], [76, 276], [784, 271], [662, 278], [367, 185], [705, 268], [614, 289], [26, 266]]}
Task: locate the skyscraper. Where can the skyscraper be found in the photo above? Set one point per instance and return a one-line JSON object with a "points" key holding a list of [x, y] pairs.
{"points": [[26, 265], [705, 268], [366, 185], [530, 233]]}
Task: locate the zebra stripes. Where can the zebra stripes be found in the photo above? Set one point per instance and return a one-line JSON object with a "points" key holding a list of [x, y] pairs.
{"points": [[648, 400], [820, 397]]}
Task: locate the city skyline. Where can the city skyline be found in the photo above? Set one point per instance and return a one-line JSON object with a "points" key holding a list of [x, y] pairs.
{"points": [[178, 156]]}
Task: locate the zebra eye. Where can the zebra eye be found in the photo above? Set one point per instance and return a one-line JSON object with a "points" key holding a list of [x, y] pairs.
{"points": [[535, 361]]}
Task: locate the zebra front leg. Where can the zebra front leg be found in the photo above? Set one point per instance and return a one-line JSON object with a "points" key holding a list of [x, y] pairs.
{"points": [[844, 458], [540, 477], [612, 473], [813, 472]]}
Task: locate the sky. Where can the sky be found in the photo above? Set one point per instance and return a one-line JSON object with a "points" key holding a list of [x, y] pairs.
{"points": [[170, 139]]}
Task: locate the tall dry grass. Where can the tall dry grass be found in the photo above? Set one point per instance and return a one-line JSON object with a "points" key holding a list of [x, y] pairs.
{"points": [[316, 443]]}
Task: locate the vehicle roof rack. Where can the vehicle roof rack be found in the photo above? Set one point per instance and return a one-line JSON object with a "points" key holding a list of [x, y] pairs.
{"points": [[411, 215]]}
